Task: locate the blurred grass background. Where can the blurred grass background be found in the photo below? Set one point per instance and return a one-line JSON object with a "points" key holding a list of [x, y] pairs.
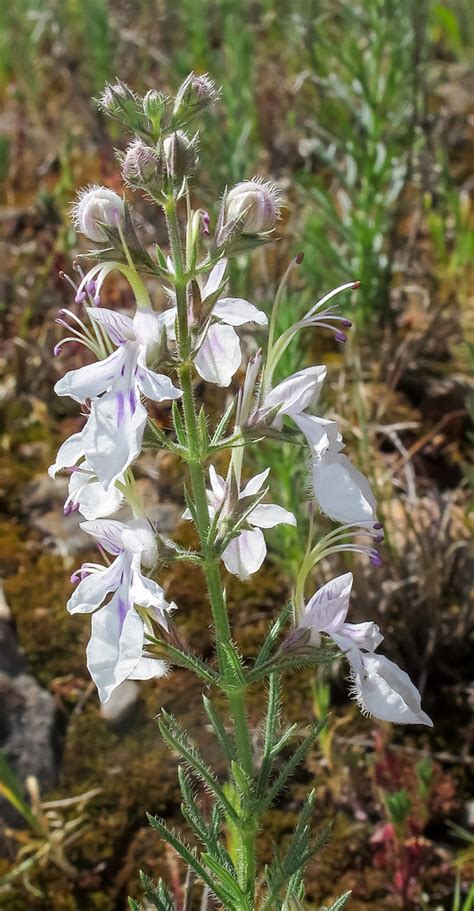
{"points": [[363, 113]]}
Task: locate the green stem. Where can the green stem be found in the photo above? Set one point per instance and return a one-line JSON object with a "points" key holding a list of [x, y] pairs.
{"points": [[247, 827]]}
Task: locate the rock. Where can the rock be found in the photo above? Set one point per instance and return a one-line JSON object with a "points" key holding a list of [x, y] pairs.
{"points": [[121, 702], [27, 721]]}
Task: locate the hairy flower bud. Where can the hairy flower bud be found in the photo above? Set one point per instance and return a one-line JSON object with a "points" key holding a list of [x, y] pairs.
{"points": [[181, 155], [95, 207], [154, 104], [116, 97], [140, 164], [194, 94], [256, 202]]}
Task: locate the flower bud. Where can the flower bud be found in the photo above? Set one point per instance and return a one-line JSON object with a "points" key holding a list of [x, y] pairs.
{"points": [[181, 155], [116, 98], [195, 93], [154, 104], [140, 164], [256, 202], [95, 207]]}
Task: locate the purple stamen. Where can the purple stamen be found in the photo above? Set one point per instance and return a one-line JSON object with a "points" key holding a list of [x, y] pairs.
{"points": [[378, 539], [205, 221], [375, 558], [299, 258], [347, 323], [378, 525], [340, 337], [80, 297], [57, 350], [91, 286]]}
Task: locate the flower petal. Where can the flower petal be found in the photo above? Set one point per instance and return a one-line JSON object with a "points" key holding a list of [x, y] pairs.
{"points": [[342, 491], [386, 692], [90, 381], [298, 391], [108, 532], [113, 434], [327, 609], [219, 356], [236, 311], [118, 326], [255, 484], [68, 455], [267, 515], [145, 592], [366, 635], [155, 386], [92, 590], [214, 280], [245, 553], [93, 501], [321, 434], [115, 646], [148, 326]]}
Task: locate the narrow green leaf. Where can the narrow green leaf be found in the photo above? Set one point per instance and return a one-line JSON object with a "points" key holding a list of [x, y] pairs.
{"points": [[11, 788], [219, 729], [186, 659], [178, 425], [227, 881], [273, 636], [190, 504], [235, 662], [187, 854], [340, 902], [178, 740], [293, 762]]}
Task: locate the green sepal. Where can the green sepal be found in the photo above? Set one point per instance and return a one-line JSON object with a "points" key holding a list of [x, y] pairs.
{"points": [[216, 437], [134, 906]]}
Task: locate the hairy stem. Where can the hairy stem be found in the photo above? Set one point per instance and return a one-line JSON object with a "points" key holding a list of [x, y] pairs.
{"points": [[247, 824]]}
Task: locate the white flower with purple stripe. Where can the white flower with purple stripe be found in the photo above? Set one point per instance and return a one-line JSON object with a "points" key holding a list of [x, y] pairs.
{"points": [[218, 355], [381, 688], [86, 493], [113, 434], [245, 554], [115, 650]]}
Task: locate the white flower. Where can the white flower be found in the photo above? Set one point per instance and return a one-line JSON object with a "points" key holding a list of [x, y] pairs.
{"points": [[114, 431], [257, 201], [86, 493], [115, 649], [296, 393], [380, 687], [95, 207], [342, 491], [246, 552], [219, 355]]}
